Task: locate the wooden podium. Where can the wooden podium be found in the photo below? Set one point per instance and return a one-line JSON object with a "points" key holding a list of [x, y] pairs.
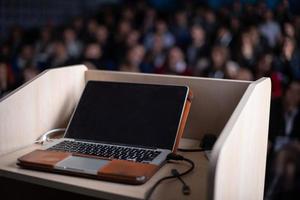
{"points": [[236, 111]]}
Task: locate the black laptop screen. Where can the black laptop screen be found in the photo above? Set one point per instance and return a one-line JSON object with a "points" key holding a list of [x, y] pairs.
{"points": [[128, 113]]}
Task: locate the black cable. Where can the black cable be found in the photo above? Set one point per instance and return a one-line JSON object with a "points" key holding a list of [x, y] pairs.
{"points": [[172, 156], [185, 189]]}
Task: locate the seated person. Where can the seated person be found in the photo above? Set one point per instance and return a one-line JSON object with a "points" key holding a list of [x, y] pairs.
{"points": [[284, 135]]}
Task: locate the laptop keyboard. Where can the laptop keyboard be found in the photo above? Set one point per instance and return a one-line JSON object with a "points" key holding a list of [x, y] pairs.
{"points": [[107, 151]]}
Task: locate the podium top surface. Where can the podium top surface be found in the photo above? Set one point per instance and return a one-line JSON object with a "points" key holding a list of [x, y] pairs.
{"points": [[170, 189]]}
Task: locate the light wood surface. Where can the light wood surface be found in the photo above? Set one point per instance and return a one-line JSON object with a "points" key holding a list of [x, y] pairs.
{"points": [[107, 190], [238, 159], [236, 111], [39, 106], [213, 103]]}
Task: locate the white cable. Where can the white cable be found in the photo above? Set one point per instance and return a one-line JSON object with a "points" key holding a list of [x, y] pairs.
{"points": [[45, 136]]}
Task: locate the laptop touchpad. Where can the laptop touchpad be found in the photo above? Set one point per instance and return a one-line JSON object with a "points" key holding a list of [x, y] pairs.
{"points": [[81, 164]]}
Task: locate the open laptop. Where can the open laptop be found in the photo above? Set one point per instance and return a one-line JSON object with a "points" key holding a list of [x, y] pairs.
{"points": [[119, 132]]}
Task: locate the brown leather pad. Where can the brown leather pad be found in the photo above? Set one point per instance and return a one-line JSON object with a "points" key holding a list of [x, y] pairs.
{"points": [[42, 158], [116, 170], [127, 171]]}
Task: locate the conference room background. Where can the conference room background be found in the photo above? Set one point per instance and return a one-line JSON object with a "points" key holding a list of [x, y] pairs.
{"points": [[229, 39]]}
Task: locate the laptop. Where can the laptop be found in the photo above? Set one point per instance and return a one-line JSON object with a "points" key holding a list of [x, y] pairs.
{"points": [[120, 132]]}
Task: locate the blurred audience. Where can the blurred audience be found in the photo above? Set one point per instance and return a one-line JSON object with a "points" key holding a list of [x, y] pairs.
{"points": [[270, 28], [198, 50], [92, 56], [218, 62], [242, 41], [133, 61], [175, 63], [6, 79], [284, 171]]}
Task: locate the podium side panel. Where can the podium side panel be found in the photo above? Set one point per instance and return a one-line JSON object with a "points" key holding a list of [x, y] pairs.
{"points": [[239, 156], [39, 106]]}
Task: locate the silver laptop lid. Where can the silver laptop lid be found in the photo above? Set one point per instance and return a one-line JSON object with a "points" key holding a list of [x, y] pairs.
{"points": [[131, 114]]}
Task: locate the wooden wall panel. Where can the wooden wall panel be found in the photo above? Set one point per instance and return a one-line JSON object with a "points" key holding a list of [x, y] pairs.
{"points": [[38, 106], [213, 103], [237, 168]]}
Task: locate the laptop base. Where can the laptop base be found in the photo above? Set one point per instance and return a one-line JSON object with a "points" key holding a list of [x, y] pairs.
{"points": [[121, 171]]}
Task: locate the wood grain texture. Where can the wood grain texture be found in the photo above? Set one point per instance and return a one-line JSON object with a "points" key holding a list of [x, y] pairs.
{"points": [[39, 106], [213, 103], [237, 168]]}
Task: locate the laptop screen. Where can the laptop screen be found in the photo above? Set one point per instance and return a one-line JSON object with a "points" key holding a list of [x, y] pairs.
{"points": [[128, 113]]}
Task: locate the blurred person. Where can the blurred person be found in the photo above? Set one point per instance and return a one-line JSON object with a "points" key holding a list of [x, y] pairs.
{"points": [[6, 79], [73, 45], [261, 8], [198, 51], [289, 60], [134, 59], [102, 35], [259, 42], [156, 57], [284, 181], [128, 13], [265, 68], [244, 74], [124, 28], [29, 72], [198, 17], [161, 28], [15, 38], [237, 8], [283, 10], [235, 25], [250, 14], [26, 55], [247, 55], [224, 36], [104, 40], [296, 24], [109, 17], [78, 26], [5, 51], [43, 47], [219, 59], [252, 44], [175, 63], [270, 29], [92, 26], [210, 22], [93, 56], [181, 29], [149, 20], [59, 55], [284, 135], [289, 30], [285, 115], [133, 39], [231, 70], [223, 16]]}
